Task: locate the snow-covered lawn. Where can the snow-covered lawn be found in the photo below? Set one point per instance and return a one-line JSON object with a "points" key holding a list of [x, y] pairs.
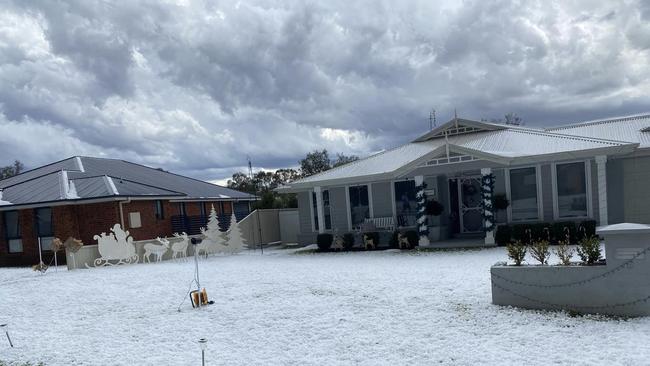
{"points": [[377, 308]]}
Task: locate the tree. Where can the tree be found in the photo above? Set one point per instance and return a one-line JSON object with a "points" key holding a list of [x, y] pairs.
{"points": [[513, 119], [10, 170], [284, 176], [342, 159], [241, 182], [315, 162], [509, 119]]}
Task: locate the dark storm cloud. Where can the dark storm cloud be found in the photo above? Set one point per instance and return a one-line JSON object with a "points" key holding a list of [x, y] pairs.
{"points": [[196, 87]]}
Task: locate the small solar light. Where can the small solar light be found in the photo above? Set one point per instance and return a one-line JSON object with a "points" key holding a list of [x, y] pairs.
{"points": [[5, 327], [203, 343]]}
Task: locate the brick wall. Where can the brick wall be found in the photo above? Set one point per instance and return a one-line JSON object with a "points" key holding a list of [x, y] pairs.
{"points": [[95, 218], [151, 226], [84, 221], [30, 243]]}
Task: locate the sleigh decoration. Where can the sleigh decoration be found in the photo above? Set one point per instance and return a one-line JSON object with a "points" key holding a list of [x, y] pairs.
{"points": [[115, 248]]}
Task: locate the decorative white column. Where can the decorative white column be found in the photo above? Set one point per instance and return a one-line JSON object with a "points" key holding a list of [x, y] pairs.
{"points": [[601, 167], [487, 189], [421, 217], [320, 213]]}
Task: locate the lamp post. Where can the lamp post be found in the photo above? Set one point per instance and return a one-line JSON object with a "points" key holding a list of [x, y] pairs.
{"points": [[203, 343], [5, 327]]}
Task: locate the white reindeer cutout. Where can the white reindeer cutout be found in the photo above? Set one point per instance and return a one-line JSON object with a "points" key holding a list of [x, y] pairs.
{"points": [[337, 243], [368, 242], [179, 249], [158, 250]]}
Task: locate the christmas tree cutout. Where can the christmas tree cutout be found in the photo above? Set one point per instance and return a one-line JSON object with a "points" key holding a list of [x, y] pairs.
{"points": [[213, 241], [235, 239]]}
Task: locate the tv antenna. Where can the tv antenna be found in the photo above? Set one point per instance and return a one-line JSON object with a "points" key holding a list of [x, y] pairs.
{"points": [[432, 119]]}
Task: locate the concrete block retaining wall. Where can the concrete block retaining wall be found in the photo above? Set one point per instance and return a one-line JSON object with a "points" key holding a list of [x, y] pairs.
{"points": [[621, 287]]}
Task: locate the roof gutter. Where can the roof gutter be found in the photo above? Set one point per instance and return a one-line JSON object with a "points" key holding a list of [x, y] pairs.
{"points": [[81, 201]]}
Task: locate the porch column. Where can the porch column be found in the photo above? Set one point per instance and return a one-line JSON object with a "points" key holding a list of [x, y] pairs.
{"points": [[421, 217], [320, 213], [487, 189], [601, 167]]}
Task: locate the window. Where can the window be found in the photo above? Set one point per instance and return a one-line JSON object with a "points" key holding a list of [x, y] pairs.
{"points": [[571, 186], [158, 209], [44, 228], [12, 231], [523, 194], [203, 210], [326, 210], [405, 203], [359, 206], [181, 209]]}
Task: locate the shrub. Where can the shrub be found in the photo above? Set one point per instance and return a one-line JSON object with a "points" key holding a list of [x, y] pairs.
{"points": [[348, 241], [589, 250], [503, 236], [434, 208], [586, 229], [500, 202], [392, 243], [522, 233], [564, 252], [559, 231], [413, 237], [324, 241], [541, 231], [539, 250], [516, 252], [371, 235]]}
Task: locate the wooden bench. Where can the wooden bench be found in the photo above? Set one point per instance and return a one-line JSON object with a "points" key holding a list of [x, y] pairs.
{"points": [[382, 223]]}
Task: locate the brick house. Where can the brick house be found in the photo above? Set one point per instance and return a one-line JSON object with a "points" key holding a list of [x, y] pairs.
{"points": [[83, 196]]}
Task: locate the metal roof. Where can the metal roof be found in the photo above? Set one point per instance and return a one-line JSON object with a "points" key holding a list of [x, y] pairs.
{"points": [[504, 144], [79, 178], [628, 128]]}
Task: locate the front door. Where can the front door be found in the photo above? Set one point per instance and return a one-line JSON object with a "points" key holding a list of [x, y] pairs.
{"points": [[469, 202]]}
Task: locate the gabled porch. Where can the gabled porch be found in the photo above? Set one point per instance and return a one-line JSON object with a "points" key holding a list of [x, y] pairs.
{"points": [[544, 177]]}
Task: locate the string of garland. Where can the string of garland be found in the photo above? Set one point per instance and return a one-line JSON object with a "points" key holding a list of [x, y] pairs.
{"points": [[569, 306], [421, 217], [487, 188]]}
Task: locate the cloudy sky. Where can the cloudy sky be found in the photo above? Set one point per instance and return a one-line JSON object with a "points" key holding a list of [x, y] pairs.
{"points": [[196, 87]]}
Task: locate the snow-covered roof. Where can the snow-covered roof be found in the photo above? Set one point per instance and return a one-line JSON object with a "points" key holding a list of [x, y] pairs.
{"points": [[503, 144], [634, 128]]}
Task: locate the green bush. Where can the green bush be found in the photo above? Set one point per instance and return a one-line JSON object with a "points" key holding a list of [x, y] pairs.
{"points": [[539, 250], [522, 233], [516, 252], [324, 241], [564, 253], [589, 250], [541, 231], [558, 230], [503, 236], [348, 241], [392, 243], [412, 237], [586, 229]]}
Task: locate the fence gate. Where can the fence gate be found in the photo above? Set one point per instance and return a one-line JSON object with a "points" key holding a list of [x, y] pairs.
{"points": [[289, 226]]}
